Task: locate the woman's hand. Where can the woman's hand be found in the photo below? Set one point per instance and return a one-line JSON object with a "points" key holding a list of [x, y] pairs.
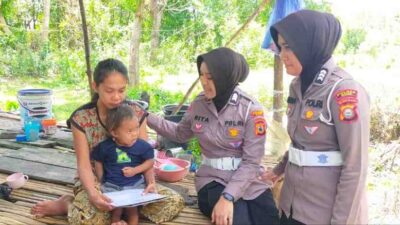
{"points": [[269, 177], [101, 201], [129, 171], [150, 188], [223, 212]]}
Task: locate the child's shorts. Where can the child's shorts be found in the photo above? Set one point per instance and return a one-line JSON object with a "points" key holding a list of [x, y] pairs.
{"points": [[109, 187]]}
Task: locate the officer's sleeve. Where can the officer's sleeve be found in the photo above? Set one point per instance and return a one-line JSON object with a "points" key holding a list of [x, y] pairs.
{"points": [[178, 132], [253, 152], [351, 116], [279, 169]]}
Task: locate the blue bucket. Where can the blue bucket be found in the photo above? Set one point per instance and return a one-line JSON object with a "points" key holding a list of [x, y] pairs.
{"points": [[35, 104]]}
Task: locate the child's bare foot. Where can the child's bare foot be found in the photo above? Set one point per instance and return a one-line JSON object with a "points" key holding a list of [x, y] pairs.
{"points": [[57, 207]]}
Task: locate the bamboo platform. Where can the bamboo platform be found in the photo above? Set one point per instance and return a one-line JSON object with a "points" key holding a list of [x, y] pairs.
{"points": [[39, 159]]}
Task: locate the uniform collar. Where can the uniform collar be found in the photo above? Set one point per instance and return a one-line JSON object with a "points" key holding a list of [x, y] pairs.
{"points": [[324, 73], [320, 79], [234, 99]]}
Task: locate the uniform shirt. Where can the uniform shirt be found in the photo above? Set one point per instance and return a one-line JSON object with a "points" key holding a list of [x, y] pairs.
{"points": [[328, 195], [115, 157], [238, 130]]}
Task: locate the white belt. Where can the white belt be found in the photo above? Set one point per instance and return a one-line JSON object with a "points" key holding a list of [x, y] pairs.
{"points": [[225, 163], [315, 158]]}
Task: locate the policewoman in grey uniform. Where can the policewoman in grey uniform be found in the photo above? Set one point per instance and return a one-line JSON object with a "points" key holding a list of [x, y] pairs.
{"points": [[231, 128], [328, 113]]}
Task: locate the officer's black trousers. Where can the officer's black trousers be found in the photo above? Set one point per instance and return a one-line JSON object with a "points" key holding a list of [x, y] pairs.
{"points": [[259, 211], [289, 221]]}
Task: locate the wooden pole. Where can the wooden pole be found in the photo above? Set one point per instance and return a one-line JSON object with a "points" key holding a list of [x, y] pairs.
{"points": [[87, 47], [186, 96], [278, 90], [255, 13]]}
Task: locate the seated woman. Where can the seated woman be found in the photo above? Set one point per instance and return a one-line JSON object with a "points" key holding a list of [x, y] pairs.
{"points": [[89, 205], [231, 128]]}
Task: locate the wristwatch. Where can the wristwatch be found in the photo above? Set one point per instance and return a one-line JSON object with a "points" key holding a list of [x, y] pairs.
{"points": [[228, 197]]}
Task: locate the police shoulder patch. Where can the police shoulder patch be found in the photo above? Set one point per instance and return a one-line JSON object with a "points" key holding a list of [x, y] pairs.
{"points": [[256, 113], [260, 126], [347, 101]]}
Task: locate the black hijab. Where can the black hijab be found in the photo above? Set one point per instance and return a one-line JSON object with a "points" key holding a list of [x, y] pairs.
{"points": [[227, 69], [312, 36]]}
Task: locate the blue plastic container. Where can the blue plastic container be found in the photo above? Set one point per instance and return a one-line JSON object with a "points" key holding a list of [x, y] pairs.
{"points": [[32, 129], [35, 104]]}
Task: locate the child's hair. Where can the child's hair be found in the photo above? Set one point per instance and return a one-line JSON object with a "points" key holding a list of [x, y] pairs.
{"points": [[104, 68], [117, 115]]}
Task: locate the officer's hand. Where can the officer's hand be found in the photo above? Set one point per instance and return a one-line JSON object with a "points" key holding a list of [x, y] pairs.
{"points": [[269, 177], [223, 212], [139, 110], [129, 171], [101, 201]]}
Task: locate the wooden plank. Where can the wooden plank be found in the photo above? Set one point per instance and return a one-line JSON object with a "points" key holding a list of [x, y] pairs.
{"points": [[48, 156], [25, 212], [43, 187], [2, 150], [5, 143], [63, 137], [37, 170], [20, 219], [39, 143], [8, 134]]}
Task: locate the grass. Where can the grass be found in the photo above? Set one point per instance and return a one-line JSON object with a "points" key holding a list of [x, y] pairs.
{"points": [[65, 98]]}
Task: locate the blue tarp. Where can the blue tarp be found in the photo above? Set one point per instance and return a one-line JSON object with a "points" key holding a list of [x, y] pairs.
{"points": [[281, 9]]}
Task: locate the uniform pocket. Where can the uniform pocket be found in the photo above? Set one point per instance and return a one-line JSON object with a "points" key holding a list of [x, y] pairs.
{"points": [[290, 109], [310, 113], [233, 133]]}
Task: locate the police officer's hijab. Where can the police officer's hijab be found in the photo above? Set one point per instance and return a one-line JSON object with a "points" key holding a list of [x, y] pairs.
{"points": [[312, 36], [227, 68]]}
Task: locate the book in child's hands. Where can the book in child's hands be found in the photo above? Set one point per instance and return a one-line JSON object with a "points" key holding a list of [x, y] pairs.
{"points": [[132, 198]]}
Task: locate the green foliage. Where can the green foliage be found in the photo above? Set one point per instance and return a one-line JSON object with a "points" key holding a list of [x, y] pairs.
{"points": [[158, 97], [322, 5], [29, 62], [11, 106], [352, 40], [194, 146]]}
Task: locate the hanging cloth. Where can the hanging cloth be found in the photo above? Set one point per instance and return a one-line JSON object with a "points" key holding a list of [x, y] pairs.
{"points": [[281, 9]]}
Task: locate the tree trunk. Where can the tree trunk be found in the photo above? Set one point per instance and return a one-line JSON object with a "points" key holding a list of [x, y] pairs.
{"points": [[135, 44], [3, 23], [87, 47], [46, 20], [255, 13], [157, 9], [278, 90]]}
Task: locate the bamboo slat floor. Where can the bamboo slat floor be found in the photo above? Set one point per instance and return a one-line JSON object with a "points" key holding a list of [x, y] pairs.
{"points": [[44, 187], [18, 211]]}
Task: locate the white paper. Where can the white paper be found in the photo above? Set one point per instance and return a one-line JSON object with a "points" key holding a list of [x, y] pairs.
{"points": [[132, 198]]}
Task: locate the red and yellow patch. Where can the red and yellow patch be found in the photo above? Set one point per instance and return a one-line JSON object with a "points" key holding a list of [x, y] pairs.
{"points": [[347, 101], [257, 113], [348, 112], [260, 127], [346, 96]]}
